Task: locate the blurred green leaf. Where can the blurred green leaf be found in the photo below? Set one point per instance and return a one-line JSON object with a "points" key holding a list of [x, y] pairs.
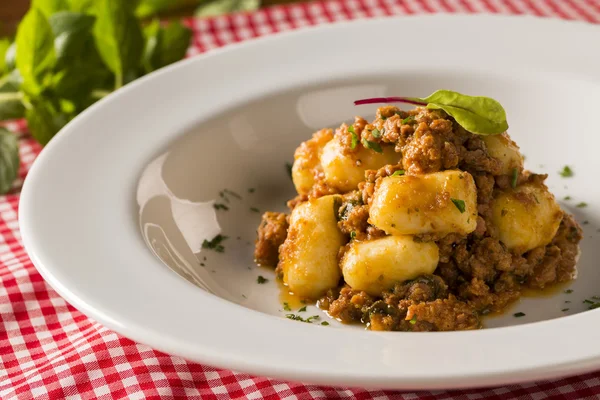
{"points": [[11, 106], [219, 7], [10, 57], [49, 7], [35, 50], [4, 45], [148, 8], [45, 119], [71, 32], [165, 45], [9, 159], [119, 38], [83, 6]]}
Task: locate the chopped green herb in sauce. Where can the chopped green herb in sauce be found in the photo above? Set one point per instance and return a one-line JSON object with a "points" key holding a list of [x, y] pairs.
{"points": [[413, 320], [251, 190], [376, 133], [566, 172], [515, 178], [399, 172], [303, 309], [215, 244], [354, 137], [254, 209], [232, 193], [352, 235], [565, 309], [460, 205], [569, 291], [519, 315], [286, 307], [308, 320], [407, 120], [372, 145], [581, 205], [219, 206], [261, 279]]}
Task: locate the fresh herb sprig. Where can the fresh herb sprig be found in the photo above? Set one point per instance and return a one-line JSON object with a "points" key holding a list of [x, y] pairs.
{"points": [[69, 54], [477, 114]]}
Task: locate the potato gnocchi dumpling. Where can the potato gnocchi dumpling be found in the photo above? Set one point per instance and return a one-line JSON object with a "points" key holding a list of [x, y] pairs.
{"points": [[441, 202], [527, 217], [410, 222]]}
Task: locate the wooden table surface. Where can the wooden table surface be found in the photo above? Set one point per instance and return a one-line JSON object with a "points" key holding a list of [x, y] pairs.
{"points": [[11, 12]]}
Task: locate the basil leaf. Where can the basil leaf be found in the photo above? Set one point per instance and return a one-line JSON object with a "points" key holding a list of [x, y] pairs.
{"points": [[71, 32], [147, 8], [153, 36], [35, 50], [10, 58], [220, 7], [9, 159], [176, 40], [4, 46], [45, 119], [83, 6], [49, 7], [119, 38], [477, 114], [11, 106]]}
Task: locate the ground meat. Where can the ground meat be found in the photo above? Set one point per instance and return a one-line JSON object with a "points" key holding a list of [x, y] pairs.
{"points": [[476, 274], [272, 232]]}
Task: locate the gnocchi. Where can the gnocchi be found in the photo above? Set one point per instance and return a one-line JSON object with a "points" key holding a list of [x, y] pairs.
{"points": [[505, 150], [441, 202], [307, 161]]}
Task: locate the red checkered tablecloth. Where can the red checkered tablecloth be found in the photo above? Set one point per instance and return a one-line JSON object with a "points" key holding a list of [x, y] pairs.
{"points": [[49, 350]]}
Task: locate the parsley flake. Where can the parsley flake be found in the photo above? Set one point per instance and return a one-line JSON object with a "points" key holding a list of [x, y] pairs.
{"points": [[581, 205], [376, 133], [254, 209], [515, 178], [352, 235], [566, 172], [286, 307], [413, 320], [325, 323], [460, 205], [567, 197], [399, 172], [407, 120], [215, 243], [519, 315], [372, 145], [569, 291], [302, 309], [219, 206], [354, 137], [261, 279]]}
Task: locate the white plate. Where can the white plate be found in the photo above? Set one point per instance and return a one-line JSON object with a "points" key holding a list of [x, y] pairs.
{"points": [[235, 116]]}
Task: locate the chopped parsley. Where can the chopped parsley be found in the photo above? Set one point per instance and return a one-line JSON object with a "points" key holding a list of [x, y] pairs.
{"points": [[202, 265], [515, 178], [565, 309], [399, 172], [261, 279], [588, 301], [219, 206], [244, 296], [352, 235], [586, 222], [254, 209], [251, 190], [303, 309], [325, 323], [460, 205], [413, 320], [215, 244], [569, 291], [372, 145], [519, 315], [308, 320], [566, 172], [567, 197], [376, 133], [407, 120], [354, 137], [232, 193], [581, 205], [288, 168], [286, 307]]}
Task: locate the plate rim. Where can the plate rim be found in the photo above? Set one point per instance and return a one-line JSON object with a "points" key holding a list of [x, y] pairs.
{"points": [[32, 245]]}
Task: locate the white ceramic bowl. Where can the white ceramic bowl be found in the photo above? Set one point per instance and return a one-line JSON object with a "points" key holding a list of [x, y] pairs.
{"points": [[170, 142]]}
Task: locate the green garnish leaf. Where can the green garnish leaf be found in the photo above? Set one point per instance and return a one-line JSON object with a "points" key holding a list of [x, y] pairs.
{"points": [[372, 145], [261, 279], [376, 133], [45, 119], [398, 172], [9, 159], [514, 178], [413, 320], [11, 105], [519, 315], [581, 205], [325, 323], [164, 45], [460, 205], [286, 307], [303, 309], [566, 172]]}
